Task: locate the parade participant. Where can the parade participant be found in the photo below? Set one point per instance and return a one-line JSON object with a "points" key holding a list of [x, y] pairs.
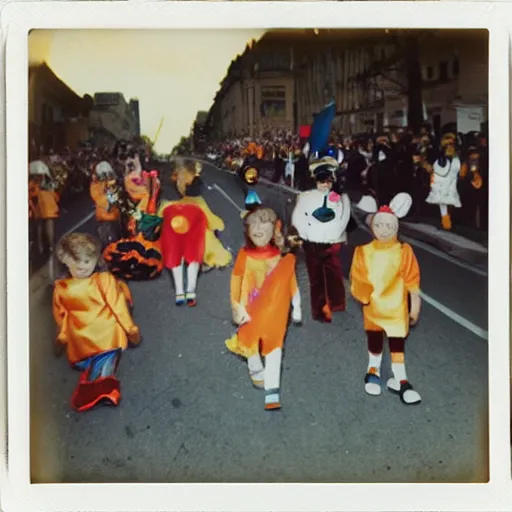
{"points": [[135, 183], [189, 233], [137, 256], [263, 286], [105, 193], [444, 177], [44, 203], [472, 168], [384, 276], [94, 323], [321, 217]]}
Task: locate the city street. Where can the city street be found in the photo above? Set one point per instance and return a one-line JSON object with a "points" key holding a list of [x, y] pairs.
{"points": [[190, 414]]}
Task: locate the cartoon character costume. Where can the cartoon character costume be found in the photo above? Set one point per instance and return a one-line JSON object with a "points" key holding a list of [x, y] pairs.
{"points": [[105, 194], [189, 234], [444, 178], [95, 325], [263, 287], [138, 256], [321, 217], [383, 277]]}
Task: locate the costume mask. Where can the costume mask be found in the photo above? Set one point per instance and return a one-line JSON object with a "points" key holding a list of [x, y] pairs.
{"points": [[384, 220]]}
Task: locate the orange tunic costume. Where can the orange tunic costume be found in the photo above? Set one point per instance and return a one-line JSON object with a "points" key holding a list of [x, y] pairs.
{"points": [[104, 211], [264, 282], [382, 275], [43, 204], [92, 315]]}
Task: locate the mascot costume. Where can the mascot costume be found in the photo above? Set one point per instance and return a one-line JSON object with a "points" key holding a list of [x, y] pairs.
{"points": [[385, 278], [321, 217], [138, 256], [189, 233], [263, 289]]}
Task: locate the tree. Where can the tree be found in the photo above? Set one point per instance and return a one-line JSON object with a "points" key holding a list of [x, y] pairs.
{"points": [[398, 71]]}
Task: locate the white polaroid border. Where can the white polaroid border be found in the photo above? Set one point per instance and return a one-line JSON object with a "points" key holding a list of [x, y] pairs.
{"points": [[17, 493]]}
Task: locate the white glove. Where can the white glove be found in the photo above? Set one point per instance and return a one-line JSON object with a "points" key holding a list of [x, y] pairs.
{"points": [[296, 308]]}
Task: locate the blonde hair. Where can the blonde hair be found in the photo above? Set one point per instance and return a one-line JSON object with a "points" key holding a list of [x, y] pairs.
{"points": [[78, 246]]}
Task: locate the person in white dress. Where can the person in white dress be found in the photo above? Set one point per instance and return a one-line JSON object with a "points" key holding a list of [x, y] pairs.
{"points": [[444, 177]]}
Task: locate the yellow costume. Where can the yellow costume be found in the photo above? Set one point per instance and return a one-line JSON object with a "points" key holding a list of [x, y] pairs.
{"points": [[215, 254], [382, 275], [92, 315]]}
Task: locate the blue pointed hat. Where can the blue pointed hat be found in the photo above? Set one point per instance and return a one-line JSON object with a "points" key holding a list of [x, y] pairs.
{"points": [[252, 200]]}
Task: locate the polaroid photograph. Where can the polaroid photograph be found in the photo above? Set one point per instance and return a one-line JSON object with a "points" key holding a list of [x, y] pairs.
{"points": [[265, 244]]}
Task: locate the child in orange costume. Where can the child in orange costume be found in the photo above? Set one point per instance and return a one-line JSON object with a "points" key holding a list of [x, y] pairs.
{"points": [[263, 284], [384, 274], [105, 196], [44, 203], [93, 319]]}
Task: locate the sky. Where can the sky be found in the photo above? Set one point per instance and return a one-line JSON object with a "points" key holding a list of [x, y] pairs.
{"points": [[173, 73]]}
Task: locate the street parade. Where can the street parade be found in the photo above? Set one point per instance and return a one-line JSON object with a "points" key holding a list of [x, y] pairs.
{"points": [[139, 233], [260, 286]]}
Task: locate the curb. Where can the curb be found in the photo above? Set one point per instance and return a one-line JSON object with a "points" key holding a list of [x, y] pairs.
{"points": [[478, 255]]}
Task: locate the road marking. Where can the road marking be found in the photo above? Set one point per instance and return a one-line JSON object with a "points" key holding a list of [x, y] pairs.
{"points": [[225, 194], [430, 249], [470, 326]]}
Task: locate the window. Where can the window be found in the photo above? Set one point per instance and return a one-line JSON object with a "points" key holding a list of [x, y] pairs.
{"points": [[273, 102], [443, 71], [430, 72], [455, 67]]}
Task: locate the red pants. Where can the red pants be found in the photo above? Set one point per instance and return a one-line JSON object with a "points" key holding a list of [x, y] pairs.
{"points": [[326, 279]]}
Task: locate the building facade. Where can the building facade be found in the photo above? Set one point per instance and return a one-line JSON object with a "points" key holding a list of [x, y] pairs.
{"points": [[281, 83], [257, 94], [57, 116], [112, 118]]}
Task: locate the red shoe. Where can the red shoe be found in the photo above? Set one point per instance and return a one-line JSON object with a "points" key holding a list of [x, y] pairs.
{"points": [[89, 394]]}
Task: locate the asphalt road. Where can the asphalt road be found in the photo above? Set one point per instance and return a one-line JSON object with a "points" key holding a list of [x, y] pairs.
{"points": [[190, 414]]}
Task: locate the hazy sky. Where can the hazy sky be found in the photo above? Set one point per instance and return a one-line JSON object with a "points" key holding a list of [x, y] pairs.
{"points": [[173, 73]]}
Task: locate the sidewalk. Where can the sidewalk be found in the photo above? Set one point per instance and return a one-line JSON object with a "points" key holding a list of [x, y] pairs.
{"points": [[454, 244]]}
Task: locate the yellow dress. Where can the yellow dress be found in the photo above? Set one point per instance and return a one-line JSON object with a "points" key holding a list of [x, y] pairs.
{"points": [[92, 315], [381, 277], [215, 255]]}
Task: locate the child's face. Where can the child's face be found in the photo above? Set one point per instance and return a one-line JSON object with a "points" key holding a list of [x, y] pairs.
{"points": [[385, 226], [81, 267], [261, 233]]}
